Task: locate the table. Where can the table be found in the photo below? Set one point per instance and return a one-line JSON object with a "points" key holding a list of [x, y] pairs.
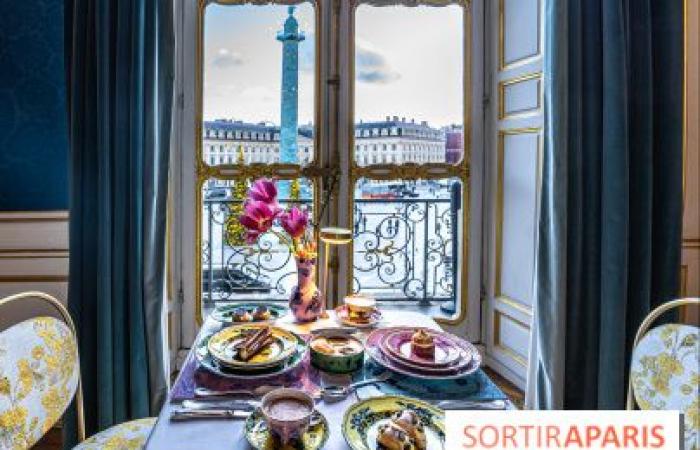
{"points": [[228, 434]]}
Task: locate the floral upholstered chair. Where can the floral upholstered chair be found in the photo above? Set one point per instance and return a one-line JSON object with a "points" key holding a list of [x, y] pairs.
{"points": [[665, 370], [39, 375]]}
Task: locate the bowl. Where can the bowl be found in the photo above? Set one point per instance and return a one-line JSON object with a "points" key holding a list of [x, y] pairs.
{"points": [[337, 353], [287, 413]]}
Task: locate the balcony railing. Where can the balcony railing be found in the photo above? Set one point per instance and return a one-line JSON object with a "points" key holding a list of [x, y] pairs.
{"points": [[403, 252]]}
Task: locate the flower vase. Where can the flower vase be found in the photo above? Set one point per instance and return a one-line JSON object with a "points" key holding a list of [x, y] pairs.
{"points": [[306, 301]]}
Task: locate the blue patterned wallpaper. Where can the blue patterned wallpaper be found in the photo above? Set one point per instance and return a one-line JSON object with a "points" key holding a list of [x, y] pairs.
{"points": [[33, 135]]}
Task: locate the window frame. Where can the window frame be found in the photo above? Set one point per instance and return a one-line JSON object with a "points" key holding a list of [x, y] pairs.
{"points": [[421, 170]]}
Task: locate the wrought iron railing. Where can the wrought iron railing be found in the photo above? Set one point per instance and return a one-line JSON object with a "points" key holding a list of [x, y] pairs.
{"points": [[403, 251]]}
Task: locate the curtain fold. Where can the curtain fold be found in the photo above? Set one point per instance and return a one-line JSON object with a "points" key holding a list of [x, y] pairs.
{"points": [[119, 72], [609, 231]]}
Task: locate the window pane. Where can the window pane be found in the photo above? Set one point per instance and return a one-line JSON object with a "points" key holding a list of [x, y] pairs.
{"points": [[258, 84], [404, 249], [232, 269], [408, 88]]}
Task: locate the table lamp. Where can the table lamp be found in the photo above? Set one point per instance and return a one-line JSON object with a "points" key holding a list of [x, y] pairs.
{"points": [[331, 236]]}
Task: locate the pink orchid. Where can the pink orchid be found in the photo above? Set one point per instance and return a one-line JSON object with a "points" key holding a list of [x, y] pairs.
{"points": [[294, 222], [257, 218], [264, 190]]}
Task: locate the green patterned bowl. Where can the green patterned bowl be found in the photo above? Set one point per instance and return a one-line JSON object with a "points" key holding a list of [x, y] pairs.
{"points": [[337, 353]]}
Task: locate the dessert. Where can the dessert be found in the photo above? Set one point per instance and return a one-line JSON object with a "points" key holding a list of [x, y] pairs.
{"points": [[261, 313], [241, 315], [360, 309], [410, 422], [422, 345], [392, 437], [254, 343]]}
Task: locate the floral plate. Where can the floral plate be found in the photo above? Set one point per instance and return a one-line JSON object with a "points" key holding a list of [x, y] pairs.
{"points": [[222, 347], [213, 366], [341, 312], [224, 313], [362, 420], [259, 437]]}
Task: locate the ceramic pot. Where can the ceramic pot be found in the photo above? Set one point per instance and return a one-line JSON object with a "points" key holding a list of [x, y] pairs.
{"points": [[287, 429], [339, 362], [306, 301]]}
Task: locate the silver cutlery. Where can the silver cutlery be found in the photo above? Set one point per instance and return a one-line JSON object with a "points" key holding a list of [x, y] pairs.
{"points": [[333, 393], [471, 404], [245, 405], [333, 331], [202, 392], [189, 414]]}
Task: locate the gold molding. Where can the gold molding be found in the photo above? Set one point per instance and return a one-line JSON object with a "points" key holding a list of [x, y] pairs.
{"points": [[497, 344], [515, 304], [522, 113], [502, 65], [499, 197], [314, 172], [33, 278], [429, 170]]}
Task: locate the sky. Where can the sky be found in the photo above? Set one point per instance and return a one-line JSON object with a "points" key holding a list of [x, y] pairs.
{"points": [[408, 63]]}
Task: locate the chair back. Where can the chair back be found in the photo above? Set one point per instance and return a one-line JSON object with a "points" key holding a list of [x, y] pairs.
{"points": [[39, 374], [665, 370]]}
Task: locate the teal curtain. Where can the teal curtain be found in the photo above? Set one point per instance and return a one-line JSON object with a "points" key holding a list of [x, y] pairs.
{"points": [[611, 206], [119, 73]]}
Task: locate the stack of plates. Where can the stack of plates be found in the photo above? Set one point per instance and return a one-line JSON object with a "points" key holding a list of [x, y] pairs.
{"points": [[219, 355], [454, 357]]}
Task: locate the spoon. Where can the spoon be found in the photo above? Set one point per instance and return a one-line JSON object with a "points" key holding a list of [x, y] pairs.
{"points": [[334, 393]]}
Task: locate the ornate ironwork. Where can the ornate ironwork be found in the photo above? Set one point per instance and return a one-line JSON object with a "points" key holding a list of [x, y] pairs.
{"points": [[403, 251]]}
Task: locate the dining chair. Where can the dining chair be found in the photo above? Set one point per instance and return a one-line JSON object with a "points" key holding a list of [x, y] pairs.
{"points": [[665, 369], [40, 375]]}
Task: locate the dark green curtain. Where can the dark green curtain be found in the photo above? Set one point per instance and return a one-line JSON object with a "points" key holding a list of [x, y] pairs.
{"points": [[611, 206], [119, 74]]}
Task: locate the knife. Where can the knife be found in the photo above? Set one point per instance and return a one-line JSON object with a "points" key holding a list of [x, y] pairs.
{"points": [[259, 391], [191, 414], [471, 404], [333, 331], [245, 405]]}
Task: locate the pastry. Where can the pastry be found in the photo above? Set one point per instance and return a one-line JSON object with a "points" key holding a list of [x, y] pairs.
{"points": [[409, 421], [392, 437], [261, 313], [241, 315], [253, 343], [322, 346], [422, 345]]}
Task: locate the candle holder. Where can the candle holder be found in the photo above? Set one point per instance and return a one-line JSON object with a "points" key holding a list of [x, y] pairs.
{"points": [[331, 236]]}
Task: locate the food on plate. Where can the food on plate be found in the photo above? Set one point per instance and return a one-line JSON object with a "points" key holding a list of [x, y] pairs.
{"points": [[254, 343], [360, 309], [392, 437], [336, 345], [423, 345], [261, 313], [241, 315], [409, 421]]}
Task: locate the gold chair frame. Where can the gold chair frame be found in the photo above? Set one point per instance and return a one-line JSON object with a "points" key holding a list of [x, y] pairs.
{"points": [[646, 325], [56, 304]]}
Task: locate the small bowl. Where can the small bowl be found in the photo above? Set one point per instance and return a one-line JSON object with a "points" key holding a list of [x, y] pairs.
{"points": [[360, 303], [290, 428], [345, 358]]}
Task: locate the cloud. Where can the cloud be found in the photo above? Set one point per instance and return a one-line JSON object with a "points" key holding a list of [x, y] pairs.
{"points": [[225, 58], [258, 94], [372, 67]]}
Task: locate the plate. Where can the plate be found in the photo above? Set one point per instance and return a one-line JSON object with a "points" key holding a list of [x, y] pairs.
{"points": [[398, 343], [222, 347], [341, 313], [259, 437], [373, 349], [362, 420], [224, 313], [211, 365]]}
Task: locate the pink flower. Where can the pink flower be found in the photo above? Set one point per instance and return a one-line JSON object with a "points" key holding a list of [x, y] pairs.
{"points": [[294, 222], [257, 218], [263, 190]]}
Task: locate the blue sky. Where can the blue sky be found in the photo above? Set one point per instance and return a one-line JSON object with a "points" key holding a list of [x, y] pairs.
{"points": [[408, 63]]}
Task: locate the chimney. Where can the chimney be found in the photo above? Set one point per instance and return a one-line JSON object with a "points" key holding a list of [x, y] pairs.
{"points": [[396, 118], [424, 123], [413, 120], [403, 119], [388, 118]]}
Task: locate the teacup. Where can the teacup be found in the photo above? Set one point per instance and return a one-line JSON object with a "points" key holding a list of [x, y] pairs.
{"points": [[288, 413]]}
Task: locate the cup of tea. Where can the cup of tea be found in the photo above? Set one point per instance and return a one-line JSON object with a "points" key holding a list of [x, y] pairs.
{"points": [[288, 413]]}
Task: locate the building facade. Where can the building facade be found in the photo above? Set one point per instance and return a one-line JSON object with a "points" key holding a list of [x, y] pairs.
{"points": [[397, 141]]}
